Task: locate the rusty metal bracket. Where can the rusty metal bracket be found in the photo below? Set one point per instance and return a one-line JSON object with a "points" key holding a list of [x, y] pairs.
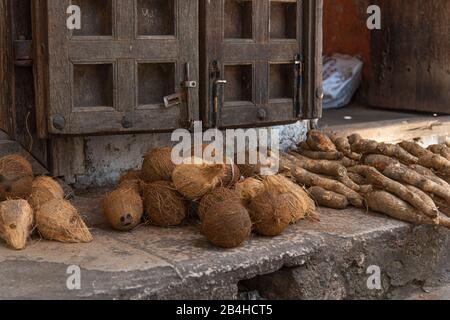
{"points": [[174, 99], [23, 53]]}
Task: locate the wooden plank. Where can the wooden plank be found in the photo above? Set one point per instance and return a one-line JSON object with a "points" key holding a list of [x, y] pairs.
{"points": [[40, 63], [68, 158], [312, 55], [411, 71], [6, 68]]}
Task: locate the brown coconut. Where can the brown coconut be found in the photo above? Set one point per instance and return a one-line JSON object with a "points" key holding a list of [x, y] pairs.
{"points": [[16, 177], [123, 208], [43, 190], [232, 175], [158, 165], [270, 213], [249, 189], [164, 206], [16, 223], [135, 185], [58, 220], [193, 181], [218, 195], [227, 224], [252, 170], [302, 204], [131, 175]]}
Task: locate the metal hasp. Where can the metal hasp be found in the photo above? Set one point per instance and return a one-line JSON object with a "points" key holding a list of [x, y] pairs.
{"points": [[178, 98]]}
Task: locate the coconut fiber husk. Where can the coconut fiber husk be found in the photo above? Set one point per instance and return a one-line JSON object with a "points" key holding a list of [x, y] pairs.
{"points": [[16, 177], [193, 181], [218, 195], [164, 206], [135, 185], [249, 170], [302, 204], [249, 189], [16, 223], [58, 220], [43, 190], [158, 165], [232, 175], [227, 224], [123, 208], [131, 175], [271, 213]]}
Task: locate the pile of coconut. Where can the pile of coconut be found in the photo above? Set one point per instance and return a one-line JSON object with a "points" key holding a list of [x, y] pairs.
{"points": [[35, 205], [231, 201]]}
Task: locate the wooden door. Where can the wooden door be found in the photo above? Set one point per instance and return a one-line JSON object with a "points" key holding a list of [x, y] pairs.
{"points": [[410, 67], [260, 61], [112, 75]]}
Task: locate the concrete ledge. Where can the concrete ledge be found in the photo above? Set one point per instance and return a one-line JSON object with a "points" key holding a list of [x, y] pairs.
{"points": [[326, 260]]}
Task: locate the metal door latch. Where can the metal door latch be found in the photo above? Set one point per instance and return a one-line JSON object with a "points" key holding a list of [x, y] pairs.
{"points": [[174, 99], [189, 84]]}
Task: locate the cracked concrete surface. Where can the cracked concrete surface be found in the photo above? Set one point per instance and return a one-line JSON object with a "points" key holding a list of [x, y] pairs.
{"points": [[326, 260]]}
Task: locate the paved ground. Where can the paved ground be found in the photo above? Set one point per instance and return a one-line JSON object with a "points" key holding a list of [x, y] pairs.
{"points": [[310, 261]]}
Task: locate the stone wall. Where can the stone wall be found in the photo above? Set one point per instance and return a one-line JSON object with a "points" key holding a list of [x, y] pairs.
{"points": [[106, 157]]}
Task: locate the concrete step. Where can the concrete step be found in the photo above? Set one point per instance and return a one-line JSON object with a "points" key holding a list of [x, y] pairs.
{"points": [[327, 260]]}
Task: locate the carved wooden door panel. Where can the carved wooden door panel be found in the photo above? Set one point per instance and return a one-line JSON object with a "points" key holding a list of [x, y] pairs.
{"points": [[261, 60], [114, 74]]}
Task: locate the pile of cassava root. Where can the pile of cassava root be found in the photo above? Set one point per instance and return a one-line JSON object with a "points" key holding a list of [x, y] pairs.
{"points": [[231, 201], [30, 204], [404, 181]]}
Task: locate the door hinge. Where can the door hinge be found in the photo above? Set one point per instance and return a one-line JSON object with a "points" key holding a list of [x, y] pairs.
{"points": [[23, 52]]}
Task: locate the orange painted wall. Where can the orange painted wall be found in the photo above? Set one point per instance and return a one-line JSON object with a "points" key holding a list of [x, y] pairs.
{"points": [[345, 29]]}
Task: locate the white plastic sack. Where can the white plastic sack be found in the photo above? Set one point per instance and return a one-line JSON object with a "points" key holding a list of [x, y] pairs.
{"points": [[342, 76]]}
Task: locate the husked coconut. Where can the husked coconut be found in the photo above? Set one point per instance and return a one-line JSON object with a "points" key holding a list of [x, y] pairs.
{"points": [[43, 190], [58, 220], [16, 223], [131, 175], [158, 165], [232, 175], [227, 224], [135, 185], [164, 206], [302, 204], [16, 177], [271, 213], [218, 195], [249, 188], [194, 180], [123, 208], [251, 168]]}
